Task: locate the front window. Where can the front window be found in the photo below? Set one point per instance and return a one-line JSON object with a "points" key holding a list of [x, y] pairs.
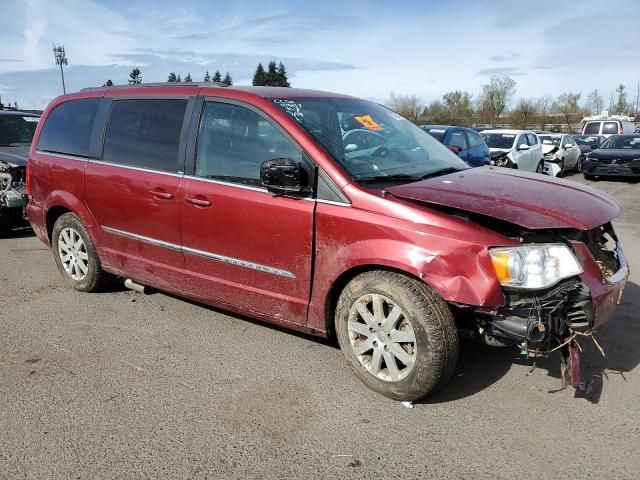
{"points": [[499, 140], [622, 142], [16, 130], [370, 141]]}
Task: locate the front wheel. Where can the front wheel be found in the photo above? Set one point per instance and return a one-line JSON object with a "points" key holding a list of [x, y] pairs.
{"points": [[540, 167], [397, 334], [561, 172], [579, 164]]}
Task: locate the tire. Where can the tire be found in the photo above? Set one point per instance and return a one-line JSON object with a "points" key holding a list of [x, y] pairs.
{"points": [[423, 364], [561, 172], [68, 230], [588, 177], [540, 167], [579, 164]]}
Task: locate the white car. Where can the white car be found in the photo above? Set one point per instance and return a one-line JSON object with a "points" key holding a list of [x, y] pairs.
{"points": [[519, 149], [561, 153]]}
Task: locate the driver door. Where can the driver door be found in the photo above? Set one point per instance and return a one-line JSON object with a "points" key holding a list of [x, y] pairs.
{"points": [[244, 247]]}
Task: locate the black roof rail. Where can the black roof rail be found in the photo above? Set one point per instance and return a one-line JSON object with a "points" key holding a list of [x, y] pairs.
{"points": [[161, 84]]}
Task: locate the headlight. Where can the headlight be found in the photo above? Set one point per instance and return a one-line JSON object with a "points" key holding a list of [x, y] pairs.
{"points": [[534, 266]]}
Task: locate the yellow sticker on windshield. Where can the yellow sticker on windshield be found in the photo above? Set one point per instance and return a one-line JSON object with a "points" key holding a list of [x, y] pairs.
{"points": [[369, 123]]}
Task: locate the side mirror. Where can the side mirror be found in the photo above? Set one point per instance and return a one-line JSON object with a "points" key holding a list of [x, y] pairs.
{"points": [[569, 145], [594, 146], [455, 150], [282, 176], [523, 146]]}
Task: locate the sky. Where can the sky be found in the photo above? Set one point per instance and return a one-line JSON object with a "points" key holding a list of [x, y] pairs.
{"points": [[363, 48]]}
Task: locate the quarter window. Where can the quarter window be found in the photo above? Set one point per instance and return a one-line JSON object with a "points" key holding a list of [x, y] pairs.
{"points": [[68, 128], [475, 140], [533, 140], [457, 139], [233, 141], [145, 133]]}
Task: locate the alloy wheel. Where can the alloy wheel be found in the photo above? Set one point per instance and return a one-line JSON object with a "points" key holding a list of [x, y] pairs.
{"points": [[73, 254], [382, 337]]}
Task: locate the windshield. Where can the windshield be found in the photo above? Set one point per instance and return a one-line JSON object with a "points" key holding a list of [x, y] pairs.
{"points": [[16, 130], [623, 142], [550, 140], [370, 141], [499, 140], [587, 140]]}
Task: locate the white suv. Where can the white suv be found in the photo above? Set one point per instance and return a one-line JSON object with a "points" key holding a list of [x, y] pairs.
{"points": [[515, 149]]}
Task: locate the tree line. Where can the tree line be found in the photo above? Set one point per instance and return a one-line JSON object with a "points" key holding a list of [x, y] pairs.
{"points": [[495, 105], [274, 76]]}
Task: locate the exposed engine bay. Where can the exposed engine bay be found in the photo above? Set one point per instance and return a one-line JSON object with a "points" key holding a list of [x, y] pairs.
{"points": [[12, 195], [500, 159]]}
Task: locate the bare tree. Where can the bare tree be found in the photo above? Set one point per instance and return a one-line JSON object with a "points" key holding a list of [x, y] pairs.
{"points": [[459, 107], [496, 96], [524, 114], [595, 102], [567, 106], [406, 105], [543, 111]]}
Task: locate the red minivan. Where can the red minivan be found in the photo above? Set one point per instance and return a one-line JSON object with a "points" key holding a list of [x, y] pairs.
{"points": [[324, 213]]}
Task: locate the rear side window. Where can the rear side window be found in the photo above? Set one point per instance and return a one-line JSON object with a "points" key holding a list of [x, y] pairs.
{"points": [[145, 133], [457, 139], [475, 140], [592, 128], [68, 128], [610, 128]]}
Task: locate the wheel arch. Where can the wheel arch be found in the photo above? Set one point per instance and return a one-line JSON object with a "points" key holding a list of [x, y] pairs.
{"points": [[345, 277], [60, 202]]}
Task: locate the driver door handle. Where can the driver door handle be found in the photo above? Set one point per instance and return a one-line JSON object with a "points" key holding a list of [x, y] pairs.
{"points": [[198, 201]]}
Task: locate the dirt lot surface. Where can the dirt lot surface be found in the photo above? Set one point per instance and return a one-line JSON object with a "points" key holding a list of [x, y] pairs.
{"points": [[125, 385]]}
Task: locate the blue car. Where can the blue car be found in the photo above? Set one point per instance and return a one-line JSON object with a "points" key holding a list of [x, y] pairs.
{"points": [[465, 142]]}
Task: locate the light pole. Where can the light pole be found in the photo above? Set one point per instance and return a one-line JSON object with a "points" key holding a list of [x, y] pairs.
{"points": [[61, 59]]}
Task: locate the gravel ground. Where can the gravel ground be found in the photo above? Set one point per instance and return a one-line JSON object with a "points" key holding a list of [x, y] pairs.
{"points": [[125, 385]]}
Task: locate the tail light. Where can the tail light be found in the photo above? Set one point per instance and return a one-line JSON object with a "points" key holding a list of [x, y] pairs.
{"points": [[621, 129], [29, 176]]}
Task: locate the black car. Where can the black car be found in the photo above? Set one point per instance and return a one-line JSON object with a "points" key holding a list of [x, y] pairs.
{"points": [[618, 156], [16, 132]]}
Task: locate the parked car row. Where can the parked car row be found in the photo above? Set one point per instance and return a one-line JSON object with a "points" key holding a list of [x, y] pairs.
{"points": [[16, 132]]}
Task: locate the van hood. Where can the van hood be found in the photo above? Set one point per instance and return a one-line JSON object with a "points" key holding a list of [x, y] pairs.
{"points": [[530, 200], [546, 148]]}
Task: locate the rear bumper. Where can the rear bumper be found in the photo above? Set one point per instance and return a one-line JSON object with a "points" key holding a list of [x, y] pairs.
{"points": [[35, 214]]}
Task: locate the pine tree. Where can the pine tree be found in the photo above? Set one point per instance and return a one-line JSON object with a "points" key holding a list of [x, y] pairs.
{"points": [[188, 78], [260, 77], [135, 77], [227, 80], [282, 80], [172, 78], [272, 75], [1, 105], [217, 77], [207, 77], [178, 79]]}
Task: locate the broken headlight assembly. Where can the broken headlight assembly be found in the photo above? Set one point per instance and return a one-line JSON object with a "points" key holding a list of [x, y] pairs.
{"points": [[536, 266]]}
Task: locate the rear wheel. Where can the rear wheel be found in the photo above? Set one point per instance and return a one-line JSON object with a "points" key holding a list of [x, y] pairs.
{"points": [[397, 334], [76, 256]]}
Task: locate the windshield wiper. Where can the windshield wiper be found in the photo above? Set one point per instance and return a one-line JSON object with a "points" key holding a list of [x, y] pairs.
{"points": [[440, 172], [384, 178]]}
